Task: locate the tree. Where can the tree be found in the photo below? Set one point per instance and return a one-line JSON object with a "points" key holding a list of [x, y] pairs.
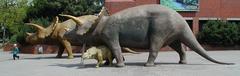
{"points": [[48, 9], [12, 13]]}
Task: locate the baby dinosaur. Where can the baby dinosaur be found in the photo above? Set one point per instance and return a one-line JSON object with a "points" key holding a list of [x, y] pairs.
{"points": [[99, 53]]}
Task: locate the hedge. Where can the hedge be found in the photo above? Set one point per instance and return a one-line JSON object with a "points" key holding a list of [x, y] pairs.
{"points": [[220, 33]]}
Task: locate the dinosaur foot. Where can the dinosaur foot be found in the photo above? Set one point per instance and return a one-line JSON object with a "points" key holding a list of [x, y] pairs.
{"points": [[120, 65], [70, 57], [182, 62], [149, 65]]}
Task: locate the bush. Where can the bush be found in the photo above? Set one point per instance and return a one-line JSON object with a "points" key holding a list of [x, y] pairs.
{"points": [[19, 37], [220, 33]]}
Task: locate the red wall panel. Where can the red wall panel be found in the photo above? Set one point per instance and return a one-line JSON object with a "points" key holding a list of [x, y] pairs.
{"points": [[230, 8], [208, 8], [117, 5]]}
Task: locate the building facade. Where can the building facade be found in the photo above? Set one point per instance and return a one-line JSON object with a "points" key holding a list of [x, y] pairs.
{"points": [[227, 10]]}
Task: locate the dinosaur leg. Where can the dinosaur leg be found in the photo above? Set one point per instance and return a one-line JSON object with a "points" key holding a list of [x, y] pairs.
{"points": [[110, 59], [100, 60], [176, 45], [60, 52], [155, 44], [116, 50], [107, 62], [68, 47]]}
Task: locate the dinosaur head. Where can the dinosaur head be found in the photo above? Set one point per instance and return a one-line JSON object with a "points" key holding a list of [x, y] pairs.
{"points": [[41, 32], [90, 53]]}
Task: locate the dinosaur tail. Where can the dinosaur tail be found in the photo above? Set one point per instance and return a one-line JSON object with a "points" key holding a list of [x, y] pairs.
{"points": [[190, 40], [130, 50]]}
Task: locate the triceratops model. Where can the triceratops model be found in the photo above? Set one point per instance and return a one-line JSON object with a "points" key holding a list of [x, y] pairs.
{"points": [[146, 26], [67, 33], [55, 34]]}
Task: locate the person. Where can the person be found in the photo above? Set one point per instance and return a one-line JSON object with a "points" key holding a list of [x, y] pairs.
{"points": [[40, 49], [15, 51]]}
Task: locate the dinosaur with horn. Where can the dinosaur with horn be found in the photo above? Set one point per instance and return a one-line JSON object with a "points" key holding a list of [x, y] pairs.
{"points": [[67, 33], [151, 27]]}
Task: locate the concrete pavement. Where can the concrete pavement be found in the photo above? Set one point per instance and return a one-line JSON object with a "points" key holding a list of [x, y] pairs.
{"points": [[166, 65]]}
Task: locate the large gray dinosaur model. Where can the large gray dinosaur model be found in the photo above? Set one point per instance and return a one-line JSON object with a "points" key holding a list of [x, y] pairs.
{"points": [[150, 27]]}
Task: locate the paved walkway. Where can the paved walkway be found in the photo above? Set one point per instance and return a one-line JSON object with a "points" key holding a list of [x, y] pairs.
{"points": [[47, 65]]}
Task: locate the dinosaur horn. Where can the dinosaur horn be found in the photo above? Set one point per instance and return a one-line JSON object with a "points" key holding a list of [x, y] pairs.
{"points": [[78, 21], [54, 23], [55, 20], [103, 12], [29, 34], [36, 25]]}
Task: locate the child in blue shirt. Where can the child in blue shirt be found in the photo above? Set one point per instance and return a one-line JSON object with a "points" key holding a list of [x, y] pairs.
{"points": [[15, 51]]}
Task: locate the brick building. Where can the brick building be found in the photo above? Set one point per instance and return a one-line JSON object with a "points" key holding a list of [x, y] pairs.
{"points": [[208, 10]]}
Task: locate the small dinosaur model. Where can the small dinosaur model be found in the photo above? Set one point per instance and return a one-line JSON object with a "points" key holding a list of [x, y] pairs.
{"points": [[99, 53]]}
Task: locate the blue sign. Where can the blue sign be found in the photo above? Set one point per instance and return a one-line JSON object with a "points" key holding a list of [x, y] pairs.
{"points": [[181, 5]]}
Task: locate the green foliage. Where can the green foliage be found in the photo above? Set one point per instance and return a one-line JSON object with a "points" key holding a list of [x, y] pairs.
{"points": [[13, 39], [12, 13], [220, 33], [42, 21], [51, 8]]}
